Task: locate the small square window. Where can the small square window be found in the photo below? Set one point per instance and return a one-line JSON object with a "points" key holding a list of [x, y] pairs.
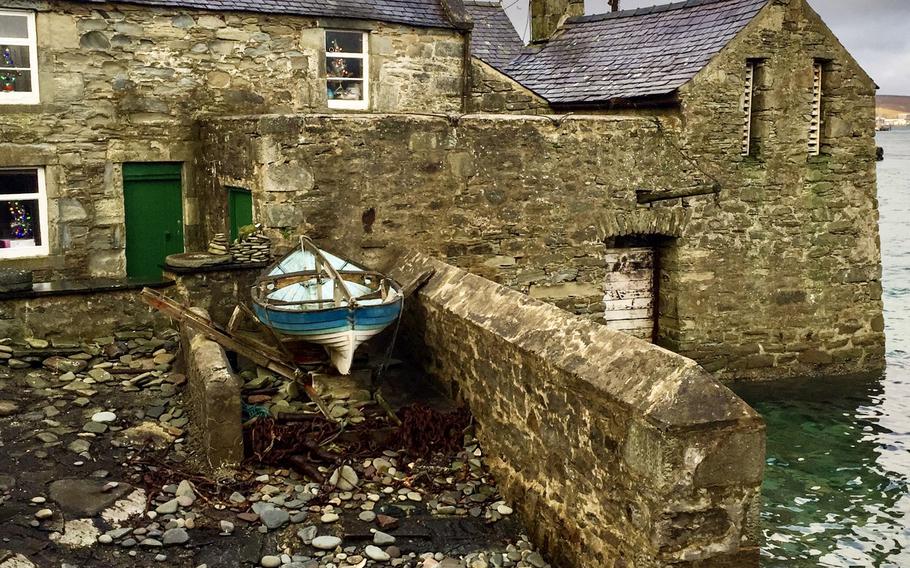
{"points": [[23, 213], [347, 70], [18, 58]]}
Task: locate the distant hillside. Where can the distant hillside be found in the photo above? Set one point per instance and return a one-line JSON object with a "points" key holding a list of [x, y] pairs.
{"points": [[891, 106]]}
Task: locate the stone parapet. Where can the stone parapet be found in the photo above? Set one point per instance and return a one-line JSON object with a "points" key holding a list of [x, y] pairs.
{"points": [[617, 452], [214, 399]]}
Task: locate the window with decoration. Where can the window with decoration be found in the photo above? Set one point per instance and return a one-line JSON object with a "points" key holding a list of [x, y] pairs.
{"points": [[23, 213], [18, 58], [347, 69]]}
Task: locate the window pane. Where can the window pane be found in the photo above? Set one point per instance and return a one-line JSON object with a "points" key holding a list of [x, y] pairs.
{"points": [[346, 90], [14, 26], [20, 225], [15, 82], [344, 67], [347, 42], [14, 56], [18, 181]]}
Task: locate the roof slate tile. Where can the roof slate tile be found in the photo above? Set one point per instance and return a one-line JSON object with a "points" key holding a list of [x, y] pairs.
{"points": [[631, 54], [494, 39], [421, 13]]}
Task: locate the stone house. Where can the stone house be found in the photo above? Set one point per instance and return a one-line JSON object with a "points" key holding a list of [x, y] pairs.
{"points": [[701, 174]]}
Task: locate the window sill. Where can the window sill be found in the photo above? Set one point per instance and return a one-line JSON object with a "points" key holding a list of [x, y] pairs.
{"points": [[17, 101], [349, 105]]}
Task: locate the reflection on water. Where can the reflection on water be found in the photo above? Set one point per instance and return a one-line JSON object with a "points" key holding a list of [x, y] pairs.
{"points": [[837, 482]]}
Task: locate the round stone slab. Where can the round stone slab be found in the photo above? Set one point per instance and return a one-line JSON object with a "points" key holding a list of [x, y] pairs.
{"points": [[196, 259]]}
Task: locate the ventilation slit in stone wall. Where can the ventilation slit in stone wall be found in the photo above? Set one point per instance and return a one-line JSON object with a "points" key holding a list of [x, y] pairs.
{"points": [[748, 93], [815, 122]]}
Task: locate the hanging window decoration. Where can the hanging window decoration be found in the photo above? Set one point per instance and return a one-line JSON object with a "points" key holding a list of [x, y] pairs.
{"points": [[18, 58], [346, 70], [23, 213]]}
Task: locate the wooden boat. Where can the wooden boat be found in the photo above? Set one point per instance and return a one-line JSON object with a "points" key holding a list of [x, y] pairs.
{"points": [[318, 297]]}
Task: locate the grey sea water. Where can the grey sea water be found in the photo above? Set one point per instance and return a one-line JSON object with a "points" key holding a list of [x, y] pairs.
{"points": [[837, 480]]}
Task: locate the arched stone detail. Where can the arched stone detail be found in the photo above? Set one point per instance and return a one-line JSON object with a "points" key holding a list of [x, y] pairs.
{"points": [[664, 222]]}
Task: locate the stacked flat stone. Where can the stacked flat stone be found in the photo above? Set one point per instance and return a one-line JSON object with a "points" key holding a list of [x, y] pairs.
{"points": [[255, 247], [219, 244]]}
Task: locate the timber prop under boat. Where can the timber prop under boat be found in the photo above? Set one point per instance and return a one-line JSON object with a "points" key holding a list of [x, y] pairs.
{"points": [[315, 296]]}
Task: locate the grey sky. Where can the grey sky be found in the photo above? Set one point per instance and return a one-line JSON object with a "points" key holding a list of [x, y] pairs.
{"points": [[875, 32]]}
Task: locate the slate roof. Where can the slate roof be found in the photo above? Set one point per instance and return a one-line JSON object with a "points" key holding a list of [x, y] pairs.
{"points": [[421, 13], [494, 39], [631, 54]]}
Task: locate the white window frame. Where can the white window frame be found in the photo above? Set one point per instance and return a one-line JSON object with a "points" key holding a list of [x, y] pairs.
{"points": [[32, 97], [363, 104], [41, 196]]}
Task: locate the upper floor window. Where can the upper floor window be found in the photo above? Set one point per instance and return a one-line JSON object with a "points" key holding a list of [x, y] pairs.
{"points": [[815, 119], [18, 58], [23, 213], [347, 69]]}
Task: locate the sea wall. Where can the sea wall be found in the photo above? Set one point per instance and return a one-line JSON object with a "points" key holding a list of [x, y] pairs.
{"points": [[616, 452]]}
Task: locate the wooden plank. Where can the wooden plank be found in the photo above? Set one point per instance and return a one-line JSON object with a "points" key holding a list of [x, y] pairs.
{"points": [[644, 274], [626, 325], [627, 294], [626, 315], [258, 353], [629, 304], [629, 255]]}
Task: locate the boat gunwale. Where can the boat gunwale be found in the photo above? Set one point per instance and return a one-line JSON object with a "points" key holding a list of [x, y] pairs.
{"points": [[280, 305]]}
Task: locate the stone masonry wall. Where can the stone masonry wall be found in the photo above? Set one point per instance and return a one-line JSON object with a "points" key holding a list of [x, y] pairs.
{"points": [[122, 83], [786, 273], [480, 191], [483, 192], [616, 452], [492, 91]]}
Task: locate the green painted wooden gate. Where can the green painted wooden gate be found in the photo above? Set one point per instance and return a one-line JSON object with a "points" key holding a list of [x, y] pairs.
{"points": [[153, 204], [240, 209]]}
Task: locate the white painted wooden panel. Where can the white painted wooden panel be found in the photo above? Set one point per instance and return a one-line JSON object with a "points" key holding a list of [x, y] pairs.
{"points": [[629, 299]]}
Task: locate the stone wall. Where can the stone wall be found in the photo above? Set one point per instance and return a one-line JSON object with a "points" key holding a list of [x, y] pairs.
{"points": [[215, 403], [786, 273], [479, 190], [77, 317], [122, 83], [616, 452], [494, 92]]}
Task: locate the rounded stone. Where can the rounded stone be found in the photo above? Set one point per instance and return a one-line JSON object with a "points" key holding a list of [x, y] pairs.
{"points": [[104, 417], [326, 542], [376, 553], [270, 561]]}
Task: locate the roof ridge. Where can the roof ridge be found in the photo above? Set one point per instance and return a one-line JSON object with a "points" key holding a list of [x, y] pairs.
{"points": [[643, 11]]}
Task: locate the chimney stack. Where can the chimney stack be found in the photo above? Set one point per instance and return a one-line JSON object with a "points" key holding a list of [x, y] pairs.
{"points": [[548, 15], [614, 5]]}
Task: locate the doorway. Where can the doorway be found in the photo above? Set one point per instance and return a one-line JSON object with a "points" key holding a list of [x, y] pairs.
{"points": [[240, 209], [153, 207], [632, 285]]}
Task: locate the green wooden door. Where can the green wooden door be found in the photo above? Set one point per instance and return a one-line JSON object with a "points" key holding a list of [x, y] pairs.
{"points": [[153, 205], [240, 209]]}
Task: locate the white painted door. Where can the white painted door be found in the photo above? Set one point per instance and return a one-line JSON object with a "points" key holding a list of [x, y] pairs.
{"points": [[629, 295]]}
